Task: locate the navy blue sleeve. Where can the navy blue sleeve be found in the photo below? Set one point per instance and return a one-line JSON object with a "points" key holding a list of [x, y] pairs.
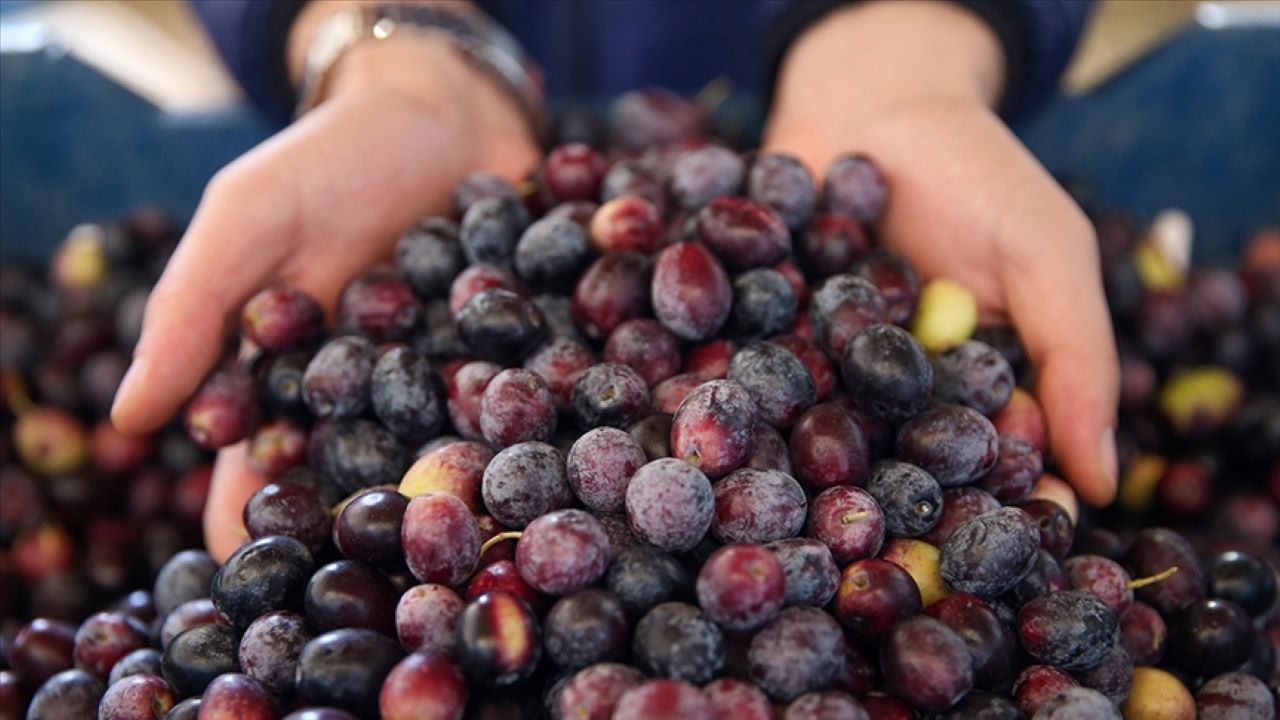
{"points": [[570, 39], [1038, 38], [251, 36], [1053, 29]]}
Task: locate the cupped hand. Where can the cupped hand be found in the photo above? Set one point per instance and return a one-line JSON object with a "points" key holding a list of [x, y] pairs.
{"points": [[968, 202], [310, 208]]}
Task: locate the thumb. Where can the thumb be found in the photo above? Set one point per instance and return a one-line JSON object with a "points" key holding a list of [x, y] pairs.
{"points": [[229, 251], [1057, 304], [234, 482]]}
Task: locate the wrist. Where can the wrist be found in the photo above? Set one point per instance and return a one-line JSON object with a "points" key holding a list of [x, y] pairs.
{"points": [[425, 69], [875, 58], [449, 75], [306, 27], [425, 74]]}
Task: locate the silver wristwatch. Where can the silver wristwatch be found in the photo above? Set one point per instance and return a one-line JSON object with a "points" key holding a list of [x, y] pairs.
{"points": [[482, 40]]}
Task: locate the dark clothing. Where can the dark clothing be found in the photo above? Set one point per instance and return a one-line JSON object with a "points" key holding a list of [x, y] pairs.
{"points": [[593, 50]]}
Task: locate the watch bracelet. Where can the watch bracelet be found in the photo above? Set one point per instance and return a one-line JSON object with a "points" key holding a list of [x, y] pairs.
{"points": [[485, 44]]}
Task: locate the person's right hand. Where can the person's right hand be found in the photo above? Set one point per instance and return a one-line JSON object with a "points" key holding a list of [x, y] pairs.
{"points": [[310, 208]]}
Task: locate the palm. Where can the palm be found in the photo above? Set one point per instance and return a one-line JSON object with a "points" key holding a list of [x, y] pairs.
{"points": [[924, 221], [310, 212], [968, 202], [344, 185]]}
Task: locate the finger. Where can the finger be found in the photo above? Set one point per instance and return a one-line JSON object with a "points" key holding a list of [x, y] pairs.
{"points": [[1058, 306], [331, 184], [233, 483], [248, 219], [230, 250], [1055, 490]]}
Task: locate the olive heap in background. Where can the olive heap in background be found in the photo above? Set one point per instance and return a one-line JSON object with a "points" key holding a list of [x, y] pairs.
{"points": [[668, 435], [86, 514]]}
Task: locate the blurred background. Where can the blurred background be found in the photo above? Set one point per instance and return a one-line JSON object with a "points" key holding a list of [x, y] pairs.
{"points": [[110, 104]]}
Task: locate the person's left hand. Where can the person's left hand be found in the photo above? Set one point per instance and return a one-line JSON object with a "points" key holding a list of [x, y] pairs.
{"points": [[967, 202]]}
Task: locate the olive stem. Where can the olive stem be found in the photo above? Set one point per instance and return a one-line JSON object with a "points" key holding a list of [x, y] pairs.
{"points": [[500, 537], [854, 517], [1143, 582]]}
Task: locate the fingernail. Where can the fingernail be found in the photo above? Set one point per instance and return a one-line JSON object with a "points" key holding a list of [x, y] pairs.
{"points": [[127, 383], [1110, 462]]}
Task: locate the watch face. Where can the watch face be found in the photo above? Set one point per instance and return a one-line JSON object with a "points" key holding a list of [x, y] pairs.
{"points": [[383, 27]]}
